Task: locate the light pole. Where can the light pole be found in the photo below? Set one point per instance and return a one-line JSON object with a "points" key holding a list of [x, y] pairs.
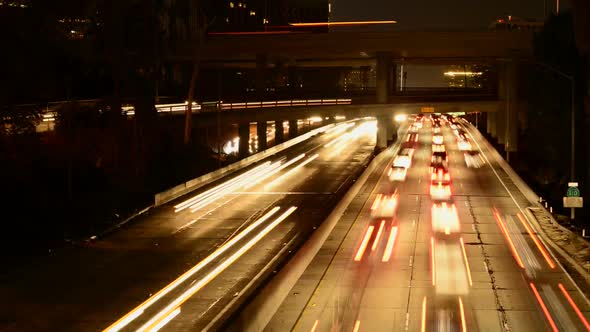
{"points": [[573, 122]]}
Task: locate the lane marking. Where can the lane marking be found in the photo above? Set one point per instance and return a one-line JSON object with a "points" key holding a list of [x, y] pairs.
{"points": [[466, 262], [315, 325], [423, 319]]}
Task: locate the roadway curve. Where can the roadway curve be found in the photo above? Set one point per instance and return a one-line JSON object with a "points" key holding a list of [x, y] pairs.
{"points": [[90, 288]]}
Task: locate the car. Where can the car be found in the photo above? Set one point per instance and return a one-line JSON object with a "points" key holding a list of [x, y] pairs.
{"points": [[418, 124], [440, 175], [440, 192], [412, 138], [445, 218], [473, 159], [413, 129], [384, 206], [436, 130], [464, 145], [438, 148], [437, 139], [402, 161], [439, 155], [397, 173]]}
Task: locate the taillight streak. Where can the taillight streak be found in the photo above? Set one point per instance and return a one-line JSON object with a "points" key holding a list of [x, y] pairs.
{"points": [[378, 236], [544, 307], [466, 262], [574, 306], [390, 244], [536, 240], [508, 238], [361, 251]]}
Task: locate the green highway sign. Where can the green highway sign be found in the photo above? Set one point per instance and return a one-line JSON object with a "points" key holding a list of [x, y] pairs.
{"points": [[573, 192]]}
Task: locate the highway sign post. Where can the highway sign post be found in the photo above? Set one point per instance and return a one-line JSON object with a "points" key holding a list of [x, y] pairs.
{"points": [[573, 199]]}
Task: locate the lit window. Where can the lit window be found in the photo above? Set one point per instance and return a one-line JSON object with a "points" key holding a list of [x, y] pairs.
{"points": [[231, 4], [252, 13]]}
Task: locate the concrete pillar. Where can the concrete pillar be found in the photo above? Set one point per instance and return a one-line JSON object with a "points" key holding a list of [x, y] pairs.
{"points": [[244, 133], [292, 128], [261, 133], [279, 132], [501, 114], [391, 127], [260, 82], [383, 76], [382, 137], [492, 124]]}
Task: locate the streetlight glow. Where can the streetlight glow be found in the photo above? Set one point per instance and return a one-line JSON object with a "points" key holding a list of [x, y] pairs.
{"points": [[463, 73]]}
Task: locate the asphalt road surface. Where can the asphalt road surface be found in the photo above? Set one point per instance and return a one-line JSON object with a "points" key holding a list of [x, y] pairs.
{"points": [[416, 270], [182, 265]]}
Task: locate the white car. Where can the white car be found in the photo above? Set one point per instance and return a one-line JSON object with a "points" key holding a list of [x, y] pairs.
{"points": [[397, 173], [445, 219], [384, 206], [473, 159], [464, 145], [440, 192]]}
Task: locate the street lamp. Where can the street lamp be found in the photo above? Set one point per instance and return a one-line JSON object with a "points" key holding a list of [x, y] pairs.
{"points": [[573, 121]]}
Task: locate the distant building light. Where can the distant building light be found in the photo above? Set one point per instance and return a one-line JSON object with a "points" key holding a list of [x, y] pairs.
{"points": [[239, 4], [231, 4], [462, 73], [252, 13]]}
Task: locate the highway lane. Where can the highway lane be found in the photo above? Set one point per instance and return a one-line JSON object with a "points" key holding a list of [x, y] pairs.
{"points": [[237, 226], [494, 274]]}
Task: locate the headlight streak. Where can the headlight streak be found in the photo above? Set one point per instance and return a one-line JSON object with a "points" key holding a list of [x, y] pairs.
{"points": [[508, 238], [536, 240], [273, 172], [574, 306], [132, 315], [149, 325], [241, 184], [221, 187], [544, 308], [357, 326], [315, 325], [291, 171], [165, 320]]}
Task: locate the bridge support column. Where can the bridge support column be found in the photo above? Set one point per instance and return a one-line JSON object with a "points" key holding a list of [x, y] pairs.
{"points": [[261, 133], [244, 133], [392, 128], [292, 128], [384, 65], [382, 133], [279, 132]]}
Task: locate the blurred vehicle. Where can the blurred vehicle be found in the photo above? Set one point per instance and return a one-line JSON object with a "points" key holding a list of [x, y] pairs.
{"points": [[473, 159], [440, 154], [412, 138], [437, 139], [384, 206], [440, 175], [464, 145], [413, 129], [418, 124], [438, 148], [440, 192], [445, 218], [404, 158], [436, 130], [397, 173], [438, 163]]}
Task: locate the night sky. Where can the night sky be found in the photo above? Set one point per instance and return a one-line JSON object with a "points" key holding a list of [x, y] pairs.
{"points": [[439, 14]]}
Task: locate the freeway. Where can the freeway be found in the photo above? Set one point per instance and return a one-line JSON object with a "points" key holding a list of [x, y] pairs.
{"points": [[406, 258], [183, 265]]}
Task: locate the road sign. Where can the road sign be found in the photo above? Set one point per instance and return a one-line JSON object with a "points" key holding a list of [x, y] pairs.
{"points": [[573, 192], [573, 202], [427, 109]]}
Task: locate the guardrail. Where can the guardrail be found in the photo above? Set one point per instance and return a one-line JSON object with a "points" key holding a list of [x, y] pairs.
{"points": [[286, 103]]}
